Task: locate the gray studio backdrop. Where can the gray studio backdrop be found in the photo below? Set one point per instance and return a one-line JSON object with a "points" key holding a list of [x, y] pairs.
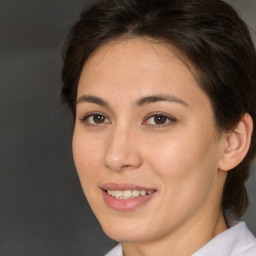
{"points": [[43, 211]]}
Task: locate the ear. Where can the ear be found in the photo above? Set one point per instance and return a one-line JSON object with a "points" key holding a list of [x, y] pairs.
{"points": [[236, 144]]}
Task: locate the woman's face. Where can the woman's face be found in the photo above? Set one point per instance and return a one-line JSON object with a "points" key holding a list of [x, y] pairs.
{"points": [[145, 146]]}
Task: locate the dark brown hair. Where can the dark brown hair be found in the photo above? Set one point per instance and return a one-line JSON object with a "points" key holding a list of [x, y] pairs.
{"points": [[209, 34]]}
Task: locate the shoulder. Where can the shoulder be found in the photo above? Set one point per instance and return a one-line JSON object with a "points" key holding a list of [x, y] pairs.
{"points": [[116, 251], [245, 242], [235, 241]]}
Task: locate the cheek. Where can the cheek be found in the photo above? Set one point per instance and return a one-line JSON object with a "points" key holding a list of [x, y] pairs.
{"points": [[187, 173], [86, 154], [185, 161]]}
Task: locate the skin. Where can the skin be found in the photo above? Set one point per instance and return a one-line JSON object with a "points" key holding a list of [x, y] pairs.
{"points": [[179, 158]]}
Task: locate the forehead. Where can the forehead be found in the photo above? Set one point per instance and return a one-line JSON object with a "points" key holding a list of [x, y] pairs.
{"points": [[133, 67], [139, 51]]}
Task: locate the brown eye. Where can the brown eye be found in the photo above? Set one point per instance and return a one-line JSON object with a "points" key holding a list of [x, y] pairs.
{"points": [[160, 119], [94, 119], [98, 119]]}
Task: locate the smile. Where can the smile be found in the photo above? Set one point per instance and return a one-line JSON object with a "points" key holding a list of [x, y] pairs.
{"points": [[128, 194], [126, 197]]}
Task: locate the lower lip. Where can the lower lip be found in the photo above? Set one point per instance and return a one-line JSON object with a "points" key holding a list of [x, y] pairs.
{"points": [[126, 204]]}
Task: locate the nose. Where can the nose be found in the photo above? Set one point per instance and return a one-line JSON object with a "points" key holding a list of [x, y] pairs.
{"points": [[122, 151]]}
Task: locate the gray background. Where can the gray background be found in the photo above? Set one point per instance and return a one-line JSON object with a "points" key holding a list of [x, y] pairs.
{"points": [[42, 208]]}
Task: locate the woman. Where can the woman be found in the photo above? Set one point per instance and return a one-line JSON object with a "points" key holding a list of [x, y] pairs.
{"points": [[163, 98]]}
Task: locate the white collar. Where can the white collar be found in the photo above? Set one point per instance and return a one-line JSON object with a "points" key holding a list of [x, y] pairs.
{"points": [[235, 241]]}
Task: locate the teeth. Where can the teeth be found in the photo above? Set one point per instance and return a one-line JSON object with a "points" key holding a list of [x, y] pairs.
{"points": [[127, 194], [143, 193], [135, 193]]}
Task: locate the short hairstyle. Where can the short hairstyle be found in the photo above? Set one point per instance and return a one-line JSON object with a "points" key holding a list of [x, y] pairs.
{"points": [[208, 34]]}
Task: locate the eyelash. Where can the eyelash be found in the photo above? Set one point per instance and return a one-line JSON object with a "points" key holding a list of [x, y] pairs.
{"points": [[167, 119], [94, 114]]}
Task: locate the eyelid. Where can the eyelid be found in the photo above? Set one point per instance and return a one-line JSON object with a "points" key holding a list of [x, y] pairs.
{"points": [[170, 118], [90, 114]]}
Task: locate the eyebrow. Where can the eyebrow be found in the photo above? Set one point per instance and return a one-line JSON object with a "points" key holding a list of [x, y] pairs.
{"points": [[92, 99], [140, 102], [161, 97]]}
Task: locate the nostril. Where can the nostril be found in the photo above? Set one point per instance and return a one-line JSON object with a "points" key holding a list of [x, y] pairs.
{"points": [[125, 166]]}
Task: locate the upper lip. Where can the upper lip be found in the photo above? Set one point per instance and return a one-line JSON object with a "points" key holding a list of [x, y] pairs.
{"points": [[124, 186]]}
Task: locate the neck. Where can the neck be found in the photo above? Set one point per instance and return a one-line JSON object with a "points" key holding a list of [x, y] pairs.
{"points": [[183, 241]]}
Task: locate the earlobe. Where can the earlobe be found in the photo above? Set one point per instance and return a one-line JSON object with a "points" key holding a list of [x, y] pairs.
{"points": [[237, 144]]}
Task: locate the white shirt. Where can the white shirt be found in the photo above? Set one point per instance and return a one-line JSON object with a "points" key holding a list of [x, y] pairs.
{"points": [[235, 241]]}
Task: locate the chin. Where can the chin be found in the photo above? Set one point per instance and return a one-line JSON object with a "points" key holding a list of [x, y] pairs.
{"points": [[124, 230]]}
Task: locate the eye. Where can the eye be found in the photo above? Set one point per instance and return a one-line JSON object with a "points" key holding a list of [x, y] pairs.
{"points": [[95, 119], [159, 119]]}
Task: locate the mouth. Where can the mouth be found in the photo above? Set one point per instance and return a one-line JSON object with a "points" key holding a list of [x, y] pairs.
{"points": [[128, 194], [126, 197]]}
